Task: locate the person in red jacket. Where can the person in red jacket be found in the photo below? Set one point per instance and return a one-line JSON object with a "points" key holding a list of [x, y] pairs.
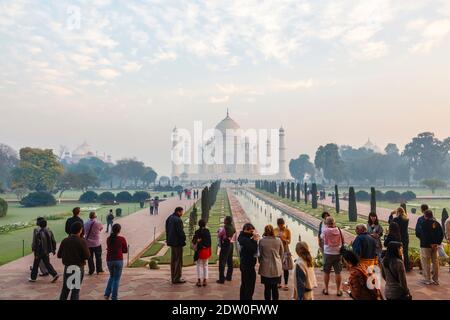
{"points": [[116, 247]]}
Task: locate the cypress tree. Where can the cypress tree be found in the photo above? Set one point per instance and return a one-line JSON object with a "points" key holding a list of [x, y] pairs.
{"points": [[283, 190], [298, 192], [279, 191], [444, 218], [336, 202], [205, 204], [306, 193], [352, 208], [314, 196], [292, 191], [373, 200], [288, 190]]}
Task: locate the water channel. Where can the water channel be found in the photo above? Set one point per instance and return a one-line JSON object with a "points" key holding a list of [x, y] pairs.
{"points": [[262, 213]]}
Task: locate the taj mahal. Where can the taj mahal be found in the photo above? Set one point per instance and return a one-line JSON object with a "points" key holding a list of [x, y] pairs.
{"points": [[225, 161]]}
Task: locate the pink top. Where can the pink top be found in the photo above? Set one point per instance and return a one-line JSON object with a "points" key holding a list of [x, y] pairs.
{"points": [[92, 236], [332, 240]]}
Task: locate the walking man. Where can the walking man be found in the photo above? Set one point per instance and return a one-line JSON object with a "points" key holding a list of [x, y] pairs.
{"points": [[93, 229], [43, 244], [74, 252], [176, 240], [109, 220]]}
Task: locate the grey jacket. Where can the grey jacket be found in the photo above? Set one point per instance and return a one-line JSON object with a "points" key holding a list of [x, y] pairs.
{"points": [[270, 253], [396, 287]]}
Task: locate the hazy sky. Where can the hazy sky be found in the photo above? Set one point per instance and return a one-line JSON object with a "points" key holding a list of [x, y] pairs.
{"points": [[125, 73]]}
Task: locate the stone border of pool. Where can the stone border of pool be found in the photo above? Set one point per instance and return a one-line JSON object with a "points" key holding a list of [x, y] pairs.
{"points": [[303, 217]]}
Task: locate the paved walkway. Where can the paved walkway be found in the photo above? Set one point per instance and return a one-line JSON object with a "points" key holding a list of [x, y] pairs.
{"points": [[139, 229]]}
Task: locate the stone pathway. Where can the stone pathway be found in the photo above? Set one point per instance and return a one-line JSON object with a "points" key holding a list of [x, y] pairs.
{"points": [[140, 229]]}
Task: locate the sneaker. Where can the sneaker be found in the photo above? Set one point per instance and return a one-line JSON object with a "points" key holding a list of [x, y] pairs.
{"points": [[31, 280], [435, 282], [106, 297], [44, 274], [55, 278], [427, 282]]}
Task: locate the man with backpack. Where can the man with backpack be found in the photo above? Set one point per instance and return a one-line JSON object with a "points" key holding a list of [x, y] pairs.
{"points": [[92, 230], [333, 242], [43, 244]]}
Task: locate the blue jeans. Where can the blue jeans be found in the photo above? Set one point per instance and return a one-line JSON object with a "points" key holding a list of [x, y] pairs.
{"points": [[115, 272]]}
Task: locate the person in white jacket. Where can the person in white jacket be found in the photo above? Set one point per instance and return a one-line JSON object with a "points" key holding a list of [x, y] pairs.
{"points": [[304, 276]]}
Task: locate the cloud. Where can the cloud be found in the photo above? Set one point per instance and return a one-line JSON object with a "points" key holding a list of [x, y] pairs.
{"points": [[432, 35], [108, 73], [222, 99], [132, 67]]}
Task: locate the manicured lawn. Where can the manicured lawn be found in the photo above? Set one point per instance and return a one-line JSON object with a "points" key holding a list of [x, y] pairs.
{"points": [[153, 249], [436, 205], [215, 222], [419, 191], [11, 242]]}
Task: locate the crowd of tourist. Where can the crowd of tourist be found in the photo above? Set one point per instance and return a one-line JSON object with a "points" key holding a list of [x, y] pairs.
{"points": [[372, 255]]}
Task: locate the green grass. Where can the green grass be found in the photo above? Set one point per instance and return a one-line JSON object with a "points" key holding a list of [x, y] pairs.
{"points": [[436, 205], [139, 264], [153, 249], [214, 223], [419, 191], [341, 218], [12, 242]]}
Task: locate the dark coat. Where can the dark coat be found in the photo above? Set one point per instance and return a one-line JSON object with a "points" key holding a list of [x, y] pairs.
{"points": [[71, 221], [205, 236], [431, 234], [365, 246], [248, 250], [43, 242], [175, 232], [403, 224]]}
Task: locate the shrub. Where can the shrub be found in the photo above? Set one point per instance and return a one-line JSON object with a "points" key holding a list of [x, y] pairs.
{"points": [[379, 195], [153, 265], [89, 197], [36, 199], [392, 196], [408, 196], [106, 197], [362, 195], [3, 207], [178, 189], [352, 208], [140, 196], [124, 196], [314, 196]]}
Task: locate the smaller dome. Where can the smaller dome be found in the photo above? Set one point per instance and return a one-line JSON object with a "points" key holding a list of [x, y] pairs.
{"points": [[83, 150]]}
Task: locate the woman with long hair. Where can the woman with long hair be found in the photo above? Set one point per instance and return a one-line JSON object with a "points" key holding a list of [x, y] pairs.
{"points": [[393, 234], [304, 276], [116, 247], [393, 271], [375, 230], [202, 244], [270, 265], [284, 234], [226, 238], [401, 218]]}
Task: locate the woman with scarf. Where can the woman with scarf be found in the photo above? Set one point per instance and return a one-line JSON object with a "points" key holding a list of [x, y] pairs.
{"points": [[304, 276], [202, 245], [284, 234], [226, 240]]}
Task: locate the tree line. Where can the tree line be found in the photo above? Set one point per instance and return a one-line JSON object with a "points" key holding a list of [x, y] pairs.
{"points": [[41, 170], [424, 160]]}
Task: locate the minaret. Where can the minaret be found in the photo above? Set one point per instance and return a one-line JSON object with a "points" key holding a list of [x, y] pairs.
{"points": [[175, 154], [282, 157]]}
